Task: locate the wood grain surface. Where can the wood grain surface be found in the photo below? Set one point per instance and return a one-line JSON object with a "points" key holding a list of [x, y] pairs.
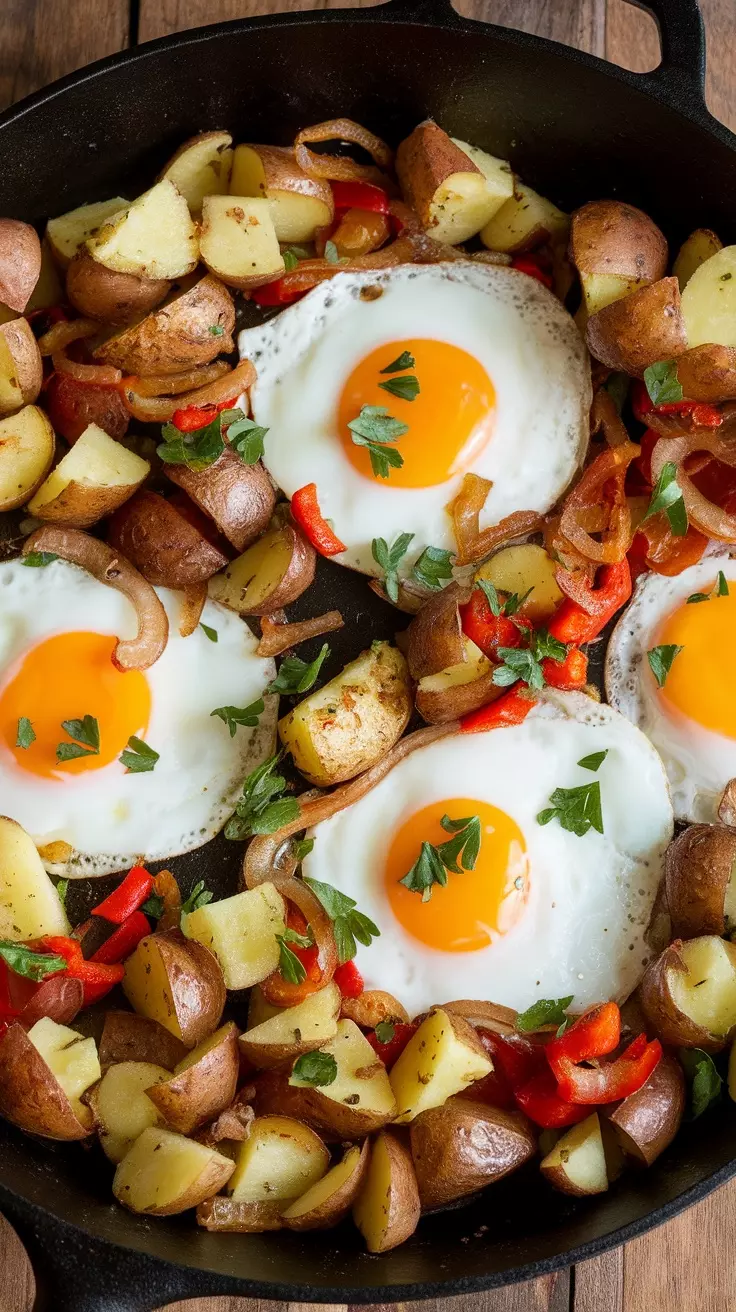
{"points": [[686, 1265]]}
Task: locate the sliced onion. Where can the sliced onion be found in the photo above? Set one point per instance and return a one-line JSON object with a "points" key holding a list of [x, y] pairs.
{"points": [[166, 887], [64, 333], [173, 384], [278, 637], [102, 375], [611, 464], [473, 543], [727, 804], [605, 419], [577, 585], [410, 602], [159, 409], [279, 991], [706, 516], [489, 1015], [339, 168], [191, 609], [109, 567]]}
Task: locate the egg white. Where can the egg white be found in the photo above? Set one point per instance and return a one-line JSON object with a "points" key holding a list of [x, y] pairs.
{"points": [[111, 818], [699, 762], [509, 322], [583, 930]]}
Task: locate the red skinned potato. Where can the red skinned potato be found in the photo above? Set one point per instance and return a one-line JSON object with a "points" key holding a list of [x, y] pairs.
{"points": [[387, 1208], [647, 1121], [166, 547], [577, 1163], [72, 406], [177, 982], [203, 1083], [239, 498], [435, 637], [708, 373], [20, 263], [454, 675], [463, 1146], [640, 329], [688, 994], [698, 869], [126, 1036], [31, 1096], [616, 249], [21, 367], [272, 573], [101, 293], [176, 336]]}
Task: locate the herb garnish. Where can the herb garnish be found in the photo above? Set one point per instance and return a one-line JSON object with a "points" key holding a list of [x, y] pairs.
{"points": [[292, 255], [347, 923], [661, 659], [509, 607], [594, 761], [199, 897], [316, 1068], [375, 428], [62, 888], [404, 361], [216, 329], [31, 965], [525, 662], [39, 559], [296, 675], [433, 568], [86, 733], [203, 446], [290, 967], [388, 558], [706, 1083], [720, 590], [662, 383], [25, 734], [246, 437], [303, 848], [547, 1011], [434, 862], [262, 809], [384, 1031], [667, 496], [153, 907], [210, 633], [138, 757], [577, 809], [332, 254], [406, 387], [240, 715]]}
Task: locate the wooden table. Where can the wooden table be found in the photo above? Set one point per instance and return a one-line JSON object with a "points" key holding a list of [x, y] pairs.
{"points": [[684, 1266]]}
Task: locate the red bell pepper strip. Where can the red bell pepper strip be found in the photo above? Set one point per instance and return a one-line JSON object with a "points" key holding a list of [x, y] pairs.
{"points": [[594, 1034], [135, 889], [592, 1085], [391, 1051], [574, 625], [702, 414], [349, 980], [569, 674], [486, 630], [510, 708], [307, 514], [124, 940], [528, 264], [544, 1105], [192, 417], [515, 1060], [97, 978], [309, 957], [275, 293], [360, 196]]}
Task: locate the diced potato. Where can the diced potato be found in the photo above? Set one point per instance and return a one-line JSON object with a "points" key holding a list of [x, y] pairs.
{"points": [[254, 575], [706, 991], [30, 906], [241, 931], [177, 982], [709, 301], [361, 1083], [602, 289], [294, 1030], [121, 1108], [26, 452], [467, 671], [577, 1163], [453, 187], [154, 237], [279, 1161], [164, 1173], [21, 368], [695, 250], [441, 1059], [95, 477], [67, 234], [201, 167], [497, 173], [299, 204], [387, 1209], [524, 221], [72, 1059], [330, 1198], [238, 242], [48, 290], [516, 569]]}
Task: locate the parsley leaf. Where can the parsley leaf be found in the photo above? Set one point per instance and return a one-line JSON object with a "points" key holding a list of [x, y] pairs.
{"points": [[404, 361], [720, 590], [198, 449], [545, 646], [31, 965], [290, 967], [594, 761], [296, 675], [86, 733], [348, 924], [153, 907], [290, 260], [510, 606], [246, 437], [721, 585], [384, 1031], [705, 1082], [39, 559], [373, 428], [577, 809], [211, 633], [138, 757], [25, 735], [697, 596], [237, 715], [433, 862], [547, 1011], [662, 382], [314, 1068], [216, 329], [518, 663], [199, 897], [303, 848], [62, 888], [406, 388], [433, 568], [388, 558], [331, 253], [262, 809], [661, 660], [667, 496]]}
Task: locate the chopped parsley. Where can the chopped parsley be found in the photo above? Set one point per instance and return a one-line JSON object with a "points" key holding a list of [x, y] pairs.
{"points": [[347, 923], [199, 897], [547, 1011], [39, 559], [406, 387], [594, 761], [433, 863], [705, 1081], [509, 607], [203, 446], [662, 383], [303, 848], [296, 675], [433, 568], [290, 967], [332, 254], [233, 716], [314, 1068], [404, 361], [153, 907], [661, 660], [720, 590], [262, 809], [576, 809], [138, 757], [667, 496], [62, 888], [25, 734], [31, 965], [388, 558], [525, 662], [385, 1031], [246, 437], [216, 329], [86, 735], [375, 429], [210, 633]]}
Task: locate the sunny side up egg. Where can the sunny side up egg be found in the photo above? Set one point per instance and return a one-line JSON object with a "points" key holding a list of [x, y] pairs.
{"points": [[504, 392], [58, 629], [545, 913], [691, 720]]}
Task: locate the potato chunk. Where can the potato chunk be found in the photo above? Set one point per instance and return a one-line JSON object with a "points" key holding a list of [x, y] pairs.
{"points": [[68, 233], [442, 1058], [155, 237], [279, 1161], [238, 242], [26, 453], [95, 477], [201, 167], [72, 1059], [525, 220], [454, 188], [695, 250], [299, 204], [387, 1209], [294, 1030], [121, 1107], [241, 931], [29, 903], [21, 370], [577, 1163], [516, 570], [164, 1173], [709, 301]]}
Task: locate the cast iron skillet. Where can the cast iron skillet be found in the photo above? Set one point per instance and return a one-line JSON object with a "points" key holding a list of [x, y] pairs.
{"points": [[576, 129]]}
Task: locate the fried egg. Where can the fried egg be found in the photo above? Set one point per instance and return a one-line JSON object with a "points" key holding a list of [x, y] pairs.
{"points": [[545, 913], [58, 629], [691, 720], [504, 392]]}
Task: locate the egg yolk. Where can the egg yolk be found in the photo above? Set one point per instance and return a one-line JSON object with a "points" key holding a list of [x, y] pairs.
{"points": [[475, 906], [66, 677], [700, 683], [450, 420]]}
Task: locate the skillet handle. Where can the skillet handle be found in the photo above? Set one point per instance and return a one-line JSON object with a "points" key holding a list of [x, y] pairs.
{"points": [[681, 74]]}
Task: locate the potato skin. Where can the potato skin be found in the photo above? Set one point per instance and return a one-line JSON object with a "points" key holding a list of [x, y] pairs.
{"points": [[195, 982], [20, 263], [126, 1036], [670, 1024], [239, 498], [101, 293], [609, 236], [698, 868], [177, 336], [463, 1146], [72, 406], [441, 705], [423, 160], [30, 1095], [434, 637], [708, 373], [169, 551], [200, 1092], [27, 363], [333, 1120], [648, 1120], [372, 1007], [333, 1208], [641, 328]]}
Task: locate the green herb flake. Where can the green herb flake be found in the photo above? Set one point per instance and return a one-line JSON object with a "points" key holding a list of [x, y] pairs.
{"points": [[458, 853], [39, 559], [62, 888], [86, 735], [331, 253], [247, 716], [290, 260], [433, 568], [290, 967], [594, 761], [348, 923], [577, 809], [705, 1082], [720, 589], [198, 449], [246, 437], [547, 1011], [317, 1069], [405, 388], [661, 660], [262, 809], [216, 329], [662, 383], [667, 496], [295, 675], [721, 585], [303, 848], [404, 361], [385, 1031], [199, 897], [31, 965], [374, 429], [388, 559], [138, 757], [25, 734], [210, 633], [153, 907]]}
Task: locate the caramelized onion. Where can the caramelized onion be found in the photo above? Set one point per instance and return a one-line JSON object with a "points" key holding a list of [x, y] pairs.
{"points": [[605, 419], [278, 637], [706, 516], [108, 567], [727, 804], [610, 465], [338, 168], [279, 991], [103, 375], [191, 608], [576, 584], [173, 384], [159, 409], [473, 543], [489, 1015], [64, 333], [166, 887], [410, 602]]}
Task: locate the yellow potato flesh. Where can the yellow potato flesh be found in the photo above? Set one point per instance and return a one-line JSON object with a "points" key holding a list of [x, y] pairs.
{"points": [[467, 671], [201, 1050], [361, 1080], [709, 301], [72, 1059], [254, 575], [434, 1065], [162, 1167], [26, 452], [523, 220], [146, 986], [122, 1106], [707, 992], [695, 250], [579, 1155], [372, 1209], [95, 460], [30, 907], [314, 1020], [238, 242], [241, 931], [324, 1189], [280, 1159], [516, 569]]}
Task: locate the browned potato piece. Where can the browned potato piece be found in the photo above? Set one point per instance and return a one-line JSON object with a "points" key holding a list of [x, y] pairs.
{"points": [[238, 241], [698, 869], [177, 982], [299, 204], [435, 640], [387, 1208], [708, 373], [695, 250], [128, 1037], [528, 220], [26, 452], [21, 367], [48, 290], [272, 573], [239, 498], [372, 1007], [20, 262], [39, 1092], [201, 167], [518, 568], [95, 477], [228, 1214], [294, 1030], [331, 1198], [635, 332], [616, 248], [577, 1163], [464, 1145], [67, 234], [458, 690], [203, 1083], [689, 993], [486, 1015], [153, 237], [442, 1058], [454, 188], [121, 1106], [278, 1161], [101, 293], [178, 335], [647, 1121], [164, 1173], [167, 548]]}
